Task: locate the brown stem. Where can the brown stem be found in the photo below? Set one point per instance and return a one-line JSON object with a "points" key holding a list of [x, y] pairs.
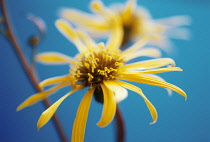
{"points": [[30, 74], [120, 126]]}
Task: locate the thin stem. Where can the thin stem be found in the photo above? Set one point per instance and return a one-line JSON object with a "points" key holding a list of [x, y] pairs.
{"points": [[120, 126], [30, 74], [33, 62]]}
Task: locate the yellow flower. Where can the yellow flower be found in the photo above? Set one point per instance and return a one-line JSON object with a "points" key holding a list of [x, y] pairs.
{"points": [[102, 69], [136, 23]]}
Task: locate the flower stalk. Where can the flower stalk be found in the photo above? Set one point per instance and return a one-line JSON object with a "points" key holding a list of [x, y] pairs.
{"points": [[28, 71], [120, 126]]}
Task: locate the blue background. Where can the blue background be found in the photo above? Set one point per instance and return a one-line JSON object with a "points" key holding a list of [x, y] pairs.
{"points": [[179, 120]]}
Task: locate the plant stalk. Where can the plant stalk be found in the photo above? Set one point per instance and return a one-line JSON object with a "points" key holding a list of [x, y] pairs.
{"points": [[28, 71], [120, 126]]}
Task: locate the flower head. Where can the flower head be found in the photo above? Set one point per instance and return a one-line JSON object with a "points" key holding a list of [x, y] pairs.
{"points": [[136, 23], [102, 69]]}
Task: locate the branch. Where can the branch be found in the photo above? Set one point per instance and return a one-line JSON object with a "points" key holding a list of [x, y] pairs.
{"points": [[29, 73]]}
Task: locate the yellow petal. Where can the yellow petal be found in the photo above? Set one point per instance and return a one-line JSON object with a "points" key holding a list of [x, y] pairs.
{"points": [[92, 23], [111, 16], [39, 96], [151, 108], [115, 39], [148, 52], [79, 126], [161, 70], [120, 93], [113, 21], [97, 6], [66, 29], [54, 58], [145, 79], [54, 80], [87, 39], [109, 108], [128, 11], [169, 91], [149, 64], [136, 46], [153, 71], [78, 17], [47, 114]]}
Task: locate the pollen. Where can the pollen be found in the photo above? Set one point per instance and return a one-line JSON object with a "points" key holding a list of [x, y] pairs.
{"points": [[96, 65]]}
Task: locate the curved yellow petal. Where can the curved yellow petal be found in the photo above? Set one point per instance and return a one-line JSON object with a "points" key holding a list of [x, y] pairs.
{"points": [[145, 79], [152, 71], [149, 64], [136, 46], [53, 80], [90, 43], [98, 7], [109, 108], [39, 96], [53, 58], [47, 114], [78, 17], [114, 22], [92, 23], [161, 70], [169, 91], [120, 93], [65, 28], [79, 125], [128, 11], [131, 87], [115, 39]]}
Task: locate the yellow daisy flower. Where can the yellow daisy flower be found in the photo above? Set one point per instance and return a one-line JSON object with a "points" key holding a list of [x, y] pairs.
{"points": [[136, 23], [102, 69]]}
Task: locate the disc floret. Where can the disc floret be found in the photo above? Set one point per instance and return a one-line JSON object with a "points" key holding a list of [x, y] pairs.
{"points": [[96, 65]]}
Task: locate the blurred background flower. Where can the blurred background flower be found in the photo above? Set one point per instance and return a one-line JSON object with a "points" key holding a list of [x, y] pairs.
{"points": [[137, 23], [178, 120]]}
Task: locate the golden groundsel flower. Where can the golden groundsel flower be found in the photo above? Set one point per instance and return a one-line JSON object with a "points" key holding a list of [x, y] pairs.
{"points": [[136, 23], [101, 68]]}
